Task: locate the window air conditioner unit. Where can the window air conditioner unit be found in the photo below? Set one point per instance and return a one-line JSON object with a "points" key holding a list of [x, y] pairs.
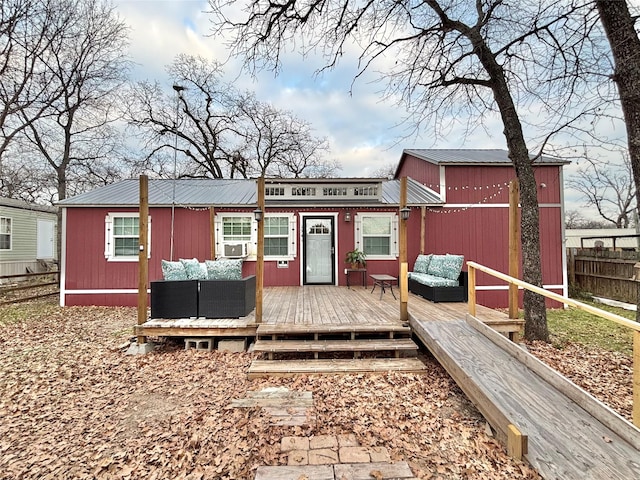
{"points": [[235, 250]]}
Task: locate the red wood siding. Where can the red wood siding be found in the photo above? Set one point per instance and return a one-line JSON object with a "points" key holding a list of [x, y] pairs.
{"points": [[425, 172]]}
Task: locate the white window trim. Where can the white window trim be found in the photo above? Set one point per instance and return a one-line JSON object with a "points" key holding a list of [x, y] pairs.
{"points": [[10, 235], [218, 225], [292, 241], [358, 238], [108, 237]]}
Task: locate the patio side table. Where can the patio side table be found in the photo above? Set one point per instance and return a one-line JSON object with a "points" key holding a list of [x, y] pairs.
{"points": [[383, 281], [362, 271]]}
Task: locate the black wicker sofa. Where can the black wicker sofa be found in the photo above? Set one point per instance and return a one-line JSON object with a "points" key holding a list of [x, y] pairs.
{"points": [[202, 297], [439, 278]]}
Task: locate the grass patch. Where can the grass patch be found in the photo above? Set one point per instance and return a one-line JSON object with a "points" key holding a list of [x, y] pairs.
{"points": [[577, 326], [21, 312]]}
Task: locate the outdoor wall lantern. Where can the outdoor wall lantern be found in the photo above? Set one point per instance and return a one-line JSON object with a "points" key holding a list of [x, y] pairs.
{"points": [[257, 214], [347, 216], [404, 213]]}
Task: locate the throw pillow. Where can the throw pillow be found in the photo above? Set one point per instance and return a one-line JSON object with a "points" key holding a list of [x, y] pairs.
{"points": [[452, 266], [173, 270], [422, 263], [224, 269], [436, 265], [194, 269]]}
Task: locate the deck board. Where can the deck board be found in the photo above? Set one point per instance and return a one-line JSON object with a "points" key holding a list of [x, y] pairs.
{"points": [[334, 345], [283, 368]]}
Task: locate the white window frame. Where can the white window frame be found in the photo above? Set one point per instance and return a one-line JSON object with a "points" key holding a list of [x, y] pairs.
{"points": [[10, 233], [291, 240], [220, 240], [252, 247], [109, 242], [394, 236]]}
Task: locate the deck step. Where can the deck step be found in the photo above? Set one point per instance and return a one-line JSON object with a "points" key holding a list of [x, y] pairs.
{"points": [[377, 345], [301, 328], [284, 368]]}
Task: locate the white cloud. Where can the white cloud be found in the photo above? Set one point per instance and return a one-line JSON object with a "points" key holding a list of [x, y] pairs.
{"points": [[359, 126]]}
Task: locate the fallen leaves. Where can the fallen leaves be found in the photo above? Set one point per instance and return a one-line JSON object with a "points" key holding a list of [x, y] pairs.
{"points": [[74, 406]]}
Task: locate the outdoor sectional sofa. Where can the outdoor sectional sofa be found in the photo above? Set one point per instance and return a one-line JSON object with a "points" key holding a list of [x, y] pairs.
{"points": [[439, 278], [213, 289]]}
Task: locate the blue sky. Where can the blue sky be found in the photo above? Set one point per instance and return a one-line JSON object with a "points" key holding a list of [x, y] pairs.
{"points": [[359, 126]]}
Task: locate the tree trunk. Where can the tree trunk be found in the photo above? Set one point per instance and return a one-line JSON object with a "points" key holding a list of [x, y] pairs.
{"points": [[625, 46], [535, 313]]}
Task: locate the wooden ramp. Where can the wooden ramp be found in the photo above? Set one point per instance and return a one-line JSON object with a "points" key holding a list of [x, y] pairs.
{"points": [[571, 435]]}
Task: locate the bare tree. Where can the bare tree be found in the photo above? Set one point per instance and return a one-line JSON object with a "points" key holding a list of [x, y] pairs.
{"points": [[64, 119], [27, 29], [609, 188], [278, 144], [87, 66], [386, 171], [216, 131], [449, 57], [619, 26], [575, 219]]}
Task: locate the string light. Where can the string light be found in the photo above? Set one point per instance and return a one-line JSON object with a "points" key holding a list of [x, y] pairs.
{"points": [[462, 209]]}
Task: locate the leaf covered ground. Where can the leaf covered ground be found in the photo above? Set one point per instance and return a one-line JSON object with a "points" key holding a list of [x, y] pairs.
{"points": [[72, 405]]}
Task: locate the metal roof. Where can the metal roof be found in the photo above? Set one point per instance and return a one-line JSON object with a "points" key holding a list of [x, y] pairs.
{"points": [[233, 193], [13, 203], [474, 157]]}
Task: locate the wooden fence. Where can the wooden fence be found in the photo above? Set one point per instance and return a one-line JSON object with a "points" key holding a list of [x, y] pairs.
{"points": [[23, 284], [608, 274]]}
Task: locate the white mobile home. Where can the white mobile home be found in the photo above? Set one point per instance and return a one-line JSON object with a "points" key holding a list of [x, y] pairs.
{"points": [[27, 236]]}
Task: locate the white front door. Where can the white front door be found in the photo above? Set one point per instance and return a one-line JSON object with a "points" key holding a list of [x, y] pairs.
{"points": [[319, 250], [46, 239]]}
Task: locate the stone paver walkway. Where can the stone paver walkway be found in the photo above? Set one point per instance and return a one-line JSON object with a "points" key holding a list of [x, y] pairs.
{"points": [[333, 457], [285, 407]]}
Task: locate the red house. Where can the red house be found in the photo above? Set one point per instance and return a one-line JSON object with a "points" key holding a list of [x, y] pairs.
{"points": [[473, 219], [459, 203]]}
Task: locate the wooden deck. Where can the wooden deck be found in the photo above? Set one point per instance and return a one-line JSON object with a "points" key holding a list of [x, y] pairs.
{"points": [[340, 307]]}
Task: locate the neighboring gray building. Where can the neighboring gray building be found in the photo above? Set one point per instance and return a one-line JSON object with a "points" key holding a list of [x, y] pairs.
{"points": [[27, 236]]}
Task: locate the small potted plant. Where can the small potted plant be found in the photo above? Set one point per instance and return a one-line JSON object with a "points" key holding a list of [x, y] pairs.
{"points": [[356, 258]]}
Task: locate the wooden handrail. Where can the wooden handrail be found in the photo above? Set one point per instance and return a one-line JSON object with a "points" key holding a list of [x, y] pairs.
{"points": [[635, 326], [554, 296]]}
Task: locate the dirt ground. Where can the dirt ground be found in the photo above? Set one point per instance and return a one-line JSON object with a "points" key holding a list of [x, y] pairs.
{"points": [[73, 405]]}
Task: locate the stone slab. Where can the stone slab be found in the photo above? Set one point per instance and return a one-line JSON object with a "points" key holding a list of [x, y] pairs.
{"points": [[235, 346], [362, 471], [354, 455], [298, 457], [312, 472], [379, 454], [322, 456], [323, 441], [140, 348], [288, 444], [347, 440]]}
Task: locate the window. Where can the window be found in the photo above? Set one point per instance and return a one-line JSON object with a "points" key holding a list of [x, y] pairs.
{"points": [[5, 233], [122, 237], [125, 236], [239, 232], [377, 235], [276, 236], [236, 229], [279, 236], [235, 235]]}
